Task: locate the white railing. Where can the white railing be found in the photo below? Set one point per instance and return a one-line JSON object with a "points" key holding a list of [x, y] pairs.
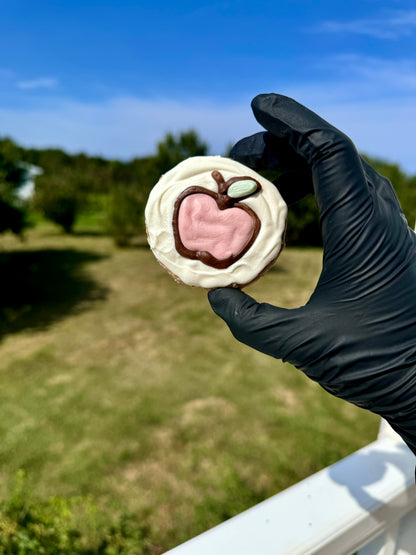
{"points": [[365, 502]]}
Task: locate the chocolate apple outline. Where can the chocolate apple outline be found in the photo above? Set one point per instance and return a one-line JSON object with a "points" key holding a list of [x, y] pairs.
{"points": [[223, 202]]}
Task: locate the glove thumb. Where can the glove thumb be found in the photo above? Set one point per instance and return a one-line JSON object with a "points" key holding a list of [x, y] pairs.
{"points": [[264, 327]]}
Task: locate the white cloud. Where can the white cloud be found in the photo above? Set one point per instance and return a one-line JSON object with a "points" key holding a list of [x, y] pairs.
{"points": [[128, 127], [394, 24], [40, 83], [366, 76], [381, 128], [371, 99]]}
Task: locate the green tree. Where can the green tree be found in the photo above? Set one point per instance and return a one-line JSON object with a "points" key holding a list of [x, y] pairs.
{"points": [[126, 214], [408, 200], [59, 198], [130, 185], [403, 184], [69, 181], [175, 148], [303, 223], [12, 174]]}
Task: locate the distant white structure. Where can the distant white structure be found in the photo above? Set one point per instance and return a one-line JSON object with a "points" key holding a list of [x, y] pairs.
{"points": [[27, 188]]}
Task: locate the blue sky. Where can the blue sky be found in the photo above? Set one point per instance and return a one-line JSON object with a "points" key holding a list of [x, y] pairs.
{"points": [[111, 78]]}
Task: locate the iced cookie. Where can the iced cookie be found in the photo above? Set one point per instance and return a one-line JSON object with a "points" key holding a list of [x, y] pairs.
{"points": [[213, 222]]}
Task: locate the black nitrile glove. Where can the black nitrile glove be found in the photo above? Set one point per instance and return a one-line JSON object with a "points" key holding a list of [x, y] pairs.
{"points": [[357, 334]]}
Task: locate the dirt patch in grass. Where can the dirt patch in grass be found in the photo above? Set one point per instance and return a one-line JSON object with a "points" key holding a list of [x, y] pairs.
{"points": [[198, 411]]}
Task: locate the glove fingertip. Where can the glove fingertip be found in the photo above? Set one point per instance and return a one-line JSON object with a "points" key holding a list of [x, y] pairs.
{"points": [[238, 152], [250, 151], [263, 101], [224, 301]]}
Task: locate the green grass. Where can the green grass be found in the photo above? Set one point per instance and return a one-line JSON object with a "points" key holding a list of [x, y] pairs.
{"points": [[120, 385]]}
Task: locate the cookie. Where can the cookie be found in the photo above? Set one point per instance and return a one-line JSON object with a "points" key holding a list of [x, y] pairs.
{"points": [[213, 222]]}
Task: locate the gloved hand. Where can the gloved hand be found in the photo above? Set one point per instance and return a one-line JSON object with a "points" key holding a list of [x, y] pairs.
{"points": [[356, 336]]}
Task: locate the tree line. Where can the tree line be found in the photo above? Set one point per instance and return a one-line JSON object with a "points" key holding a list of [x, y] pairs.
{"points": [[72, 184]]}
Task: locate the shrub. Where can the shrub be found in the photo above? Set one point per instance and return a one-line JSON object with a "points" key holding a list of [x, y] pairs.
{"points": [[303, 223], [60, 526], [126, 214], [12, 218], [12, 175], [60, 204]]}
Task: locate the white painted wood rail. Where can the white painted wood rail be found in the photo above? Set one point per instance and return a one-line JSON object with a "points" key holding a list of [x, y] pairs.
{"points": [[365, 502]]}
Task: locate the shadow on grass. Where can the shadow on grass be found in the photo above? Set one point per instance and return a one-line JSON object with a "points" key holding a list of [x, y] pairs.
{"points": [[40, 287], [90, 233], [135, 243]]}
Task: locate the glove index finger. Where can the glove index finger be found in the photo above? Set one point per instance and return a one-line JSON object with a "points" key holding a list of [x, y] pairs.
{"points": [[264, 151], [290, 121], [253, 152]]}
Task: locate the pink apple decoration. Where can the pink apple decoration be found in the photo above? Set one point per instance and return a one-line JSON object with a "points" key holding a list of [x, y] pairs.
{"points": [[216, 227]]}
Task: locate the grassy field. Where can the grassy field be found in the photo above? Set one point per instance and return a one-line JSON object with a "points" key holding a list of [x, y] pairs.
{"points": [[120, 385]]}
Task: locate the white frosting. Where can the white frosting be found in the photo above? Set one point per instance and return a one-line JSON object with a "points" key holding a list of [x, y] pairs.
{"points": [[267, 203]]}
